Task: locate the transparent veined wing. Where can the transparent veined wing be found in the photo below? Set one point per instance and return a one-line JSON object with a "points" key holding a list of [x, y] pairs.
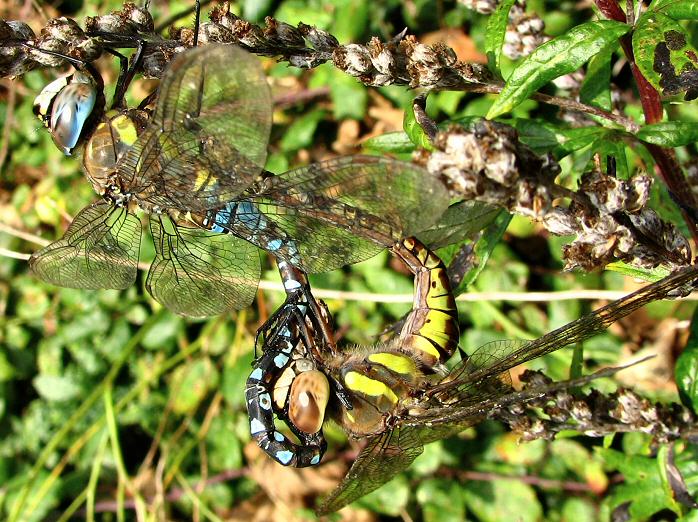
{"points": [[99, 250], [463, 407], [384, 456], [504, 355], [206, 141], [200, 273], [462, 220], [345, 210]]}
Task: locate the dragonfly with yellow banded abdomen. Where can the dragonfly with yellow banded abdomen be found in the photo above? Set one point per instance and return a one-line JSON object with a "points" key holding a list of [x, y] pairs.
{"points": [[398, 396]]}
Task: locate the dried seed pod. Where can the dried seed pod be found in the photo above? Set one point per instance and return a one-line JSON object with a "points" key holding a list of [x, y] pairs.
{"points": [[139, 16], [524, 33], [480, 6], [320, 40]]}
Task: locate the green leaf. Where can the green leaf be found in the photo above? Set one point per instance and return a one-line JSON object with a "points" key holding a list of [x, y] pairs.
{"points": [[350, 19], [301, 132], [670, 133], [191, 383], [651, 275], [414, 130], [255, 10], [611, 146], [390, 499], [560, 56], [579, 510], [503, 500], [12, 494], [233, 375], [56, 387], [441, 500], [349, 97], [596, 87], [686, 370], [642, 486], [576, 458], [664, 55], [162, 332], [676, 9], [490, 238], [494, 34], [396, 142], [546, 137]]}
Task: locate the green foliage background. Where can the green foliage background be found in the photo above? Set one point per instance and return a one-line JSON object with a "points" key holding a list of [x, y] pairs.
{"points": [[108, 400]]}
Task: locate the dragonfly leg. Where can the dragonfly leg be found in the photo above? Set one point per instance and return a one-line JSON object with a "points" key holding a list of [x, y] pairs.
{"points": [[297, 286], [126, 73]]}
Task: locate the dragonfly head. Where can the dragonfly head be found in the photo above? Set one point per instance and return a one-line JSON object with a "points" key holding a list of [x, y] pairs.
{"points": [[66, 107], [307, 401]]}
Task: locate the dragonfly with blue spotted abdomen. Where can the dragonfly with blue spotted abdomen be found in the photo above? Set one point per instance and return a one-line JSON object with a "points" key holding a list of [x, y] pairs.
{"points": [[399, 396], [196, 166]]}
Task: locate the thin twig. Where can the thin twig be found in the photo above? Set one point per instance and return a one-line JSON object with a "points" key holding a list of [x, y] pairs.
{"points": [[565, 485], [14, 255], [7, 229], [302, 96], [565, 103]]}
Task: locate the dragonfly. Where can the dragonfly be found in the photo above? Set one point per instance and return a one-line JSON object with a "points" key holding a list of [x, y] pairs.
{"points": [[399, 396], [195, 165]]}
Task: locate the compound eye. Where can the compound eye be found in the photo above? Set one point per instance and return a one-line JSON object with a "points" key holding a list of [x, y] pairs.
{"points": [[71, 109], [44, 101], [310, 393]]}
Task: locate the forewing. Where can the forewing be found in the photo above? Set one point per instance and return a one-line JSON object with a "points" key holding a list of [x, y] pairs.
{"points": [[462, 220], [496, 358], [347, 209], [99, 250], [199, 273], [465, 406], [207, 140], [384, 456]]}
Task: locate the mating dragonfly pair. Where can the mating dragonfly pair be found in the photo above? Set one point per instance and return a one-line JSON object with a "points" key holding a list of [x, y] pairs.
{"points": [[399, 395], [198, 172], [195, 165]]}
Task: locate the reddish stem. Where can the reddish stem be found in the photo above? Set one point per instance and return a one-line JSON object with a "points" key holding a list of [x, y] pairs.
{"points": [[668, 169]]}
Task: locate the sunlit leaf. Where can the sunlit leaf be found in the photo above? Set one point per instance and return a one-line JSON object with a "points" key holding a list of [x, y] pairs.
{"points": [[686, 370], [559, 56], [494, 35], [670, 133], [665, 56]]}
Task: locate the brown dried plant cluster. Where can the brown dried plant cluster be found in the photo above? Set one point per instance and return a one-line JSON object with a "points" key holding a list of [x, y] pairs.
{"points": [[608, 217], [401, 61], [595, 414]]}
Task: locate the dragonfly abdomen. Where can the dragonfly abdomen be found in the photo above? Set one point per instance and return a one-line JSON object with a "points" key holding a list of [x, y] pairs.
{"points": [[431, 329], [245, 220], [285, 382]]}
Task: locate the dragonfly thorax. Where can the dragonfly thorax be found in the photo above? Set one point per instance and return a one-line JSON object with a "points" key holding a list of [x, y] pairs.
{"points": [[113, 137], [379, 379]]}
